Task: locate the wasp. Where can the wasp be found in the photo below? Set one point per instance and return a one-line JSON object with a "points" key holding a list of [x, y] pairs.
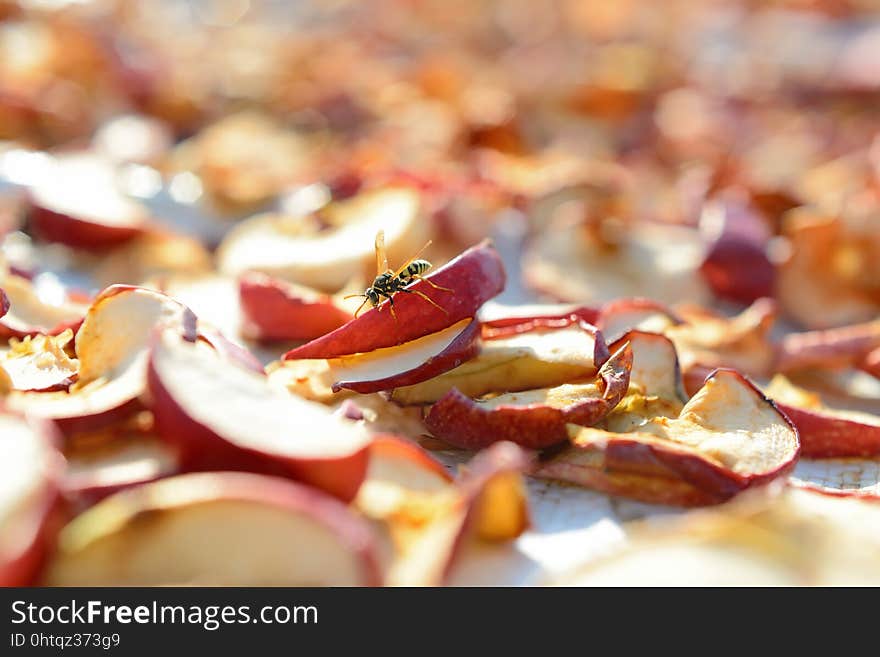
{"points": [[388, 282]]}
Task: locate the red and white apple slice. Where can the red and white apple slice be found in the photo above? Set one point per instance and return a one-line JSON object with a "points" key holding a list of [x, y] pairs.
{"points": [[39, 363], [539, 358], [222, 415], [290, 249], [217, 528], [825, 432], [278, 310], [504, 321], [111, 345], [534, 418], [728, 437], [474, 277], [29, 495], [620, 315], [26, 313], [830, 348], [79, 204]]}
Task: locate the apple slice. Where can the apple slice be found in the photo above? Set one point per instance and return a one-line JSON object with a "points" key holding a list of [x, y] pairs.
{"points": [[40, 363], [112, 346], [78, 204], [539, 358], [28, 314], [535, 418], [726, 438], [224, 416], [278, 310], [29, 496], [825, 432], [217, 528], [498, 323], [620, 315], [474, 277], [291, 249], [830, 348]]}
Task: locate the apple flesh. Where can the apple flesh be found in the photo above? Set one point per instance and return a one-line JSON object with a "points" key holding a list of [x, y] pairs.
{"points": [[534, 419], [39, 363], [539, 358], [500, 324], [221, 415], [620, 315], [217, 528], [474, 277], [278, 310], [25, 313], [29, 497]]}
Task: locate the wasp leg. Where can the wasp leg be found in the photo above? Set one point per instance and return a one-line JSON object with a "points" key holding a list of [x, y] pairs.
{"points": [[426, 298], [390, 305], [431, 283]]}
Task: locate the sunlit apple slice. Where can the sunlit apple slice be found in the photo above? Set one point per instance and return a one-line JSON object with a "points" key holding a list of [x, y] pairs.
{"points": [[825, 432], [28, 314], [216, 528], [29, 495], [79, 205], [488, 504], [286, 248], [504, 321], [620, 315], [213, 299], [726, 438], [474, 277], [829, 348], [278, 310], [533, 418], [540, 358], [224, 416], [40, 363], [111, 346]]}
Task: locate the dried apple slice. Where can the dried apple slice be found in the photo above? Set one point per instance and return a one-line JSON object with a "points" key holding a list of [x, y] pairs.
{"points": [[286, 248], [825, 432], [474, 277], [726, 438], [78, 204], [534, 418], [539, 358], [278, 310], [29, 496], [620, 315], [40, 363], [217, 528], [28, 314], [111, 345], [222, 415], [830, 348], [507, 321]]}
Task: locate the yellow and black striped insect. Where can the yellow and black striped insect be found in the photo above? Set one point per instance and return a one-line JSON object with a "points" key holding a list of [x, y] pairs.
{"points": [[388, 282]]}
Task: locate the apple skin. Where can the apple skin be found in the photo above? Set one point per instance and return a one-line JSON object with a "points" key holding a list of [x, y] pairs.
{"points": [[78, 233], [464, 347], [277, 310], [826, 436], [475, 276], [831, 348], [460, 421], [508, 326], [390, 447]]}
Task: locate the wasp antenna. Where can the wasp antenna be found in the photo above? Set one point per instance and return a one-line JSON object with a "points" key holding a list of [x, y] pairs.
{"points": [[360, 307], [352, 296]]}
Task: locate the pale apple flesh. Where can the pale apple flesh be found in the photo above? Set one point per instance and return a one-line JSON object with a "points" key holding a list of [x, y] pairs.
{"points": [[27, 314], [40, 363]]}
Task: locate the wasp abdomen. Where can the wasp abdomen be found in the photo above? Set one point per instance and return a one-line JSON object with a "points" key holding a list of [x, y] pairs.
{"points": [[417, 268]]}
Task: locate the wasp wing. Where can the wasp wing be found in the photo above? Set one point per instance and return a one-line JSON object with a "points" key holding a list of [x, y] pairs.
{"points": [[381, 255]]}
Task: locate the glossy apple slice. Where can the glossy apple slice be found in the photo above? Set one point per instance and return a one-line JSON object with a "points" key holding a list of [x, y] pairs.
{"points": [[534, 418], [217, 528], [538, 358], [726, 438], [111, 345], [224, 416], [29, 494], [79, 205], [474, 277], [26, 313]]}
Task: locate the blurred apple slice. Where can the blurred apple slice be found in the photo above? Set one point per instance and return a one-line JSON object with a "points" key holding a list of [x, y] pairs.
{"points": [[111, 345], [222, 415], [474, 277], [291, 249], [830, 348], [726, 438], [534, 418], [29, 314], [29, 495], [78, 204], [217, 528], [620, 315], [39, 363], [538, 358]]}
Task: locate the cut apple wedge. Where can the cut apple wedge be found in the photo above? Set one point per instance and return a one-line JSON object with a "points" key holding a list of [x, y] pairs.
{"points": [[28, 314], [222, 415], [217, 528], [39, 363], [534, 418], [111, 345], [278, 310], [291, 249], [29, 496], [825, 432], [540, 358], [78, 204], [473, 277], [726, 438]]}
